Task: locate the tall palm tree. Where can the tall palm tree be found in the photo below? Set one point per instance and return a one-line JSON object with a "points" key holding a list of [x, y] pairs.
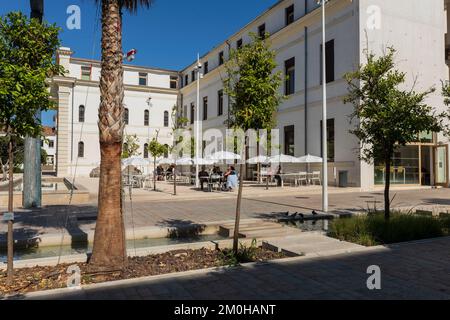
{"points": [[109, 251]]}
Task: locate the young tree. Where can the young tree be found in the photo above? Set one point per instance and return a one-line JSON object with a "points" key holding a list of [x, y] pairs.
{"points": [[109, 249], [27, 50], [130, 147], [388, 115], [253, 88], [156, 150], [178, 122]]}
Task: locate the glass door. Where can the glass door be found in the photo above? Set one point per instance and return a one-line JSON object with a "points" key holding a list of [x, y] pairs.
{"points": [[441, 165]]}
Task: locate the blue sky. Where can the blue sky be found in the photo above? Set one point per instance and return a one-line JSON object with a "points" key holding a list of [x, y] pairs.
{"points": [[168, 35]]}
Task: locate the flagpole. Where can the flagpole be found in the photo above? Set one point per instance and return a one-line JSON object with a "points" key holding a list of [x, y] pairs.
{"points": [[324, 115]]}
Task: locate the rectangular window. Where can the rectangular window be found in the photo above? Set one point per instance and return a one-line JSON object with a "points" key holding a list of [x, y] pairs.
{"points": [[289, 82], [220, 103], [185, 115], [205, 108], [186, 80], [239, 44], [289, 140], [289, 15], [329, 60], [193, 76], [86, 73], [221, 59], [51, 144], [142, 79], [192, 113], [262, 31], [173, 82], [206, 67], [330, 139]]}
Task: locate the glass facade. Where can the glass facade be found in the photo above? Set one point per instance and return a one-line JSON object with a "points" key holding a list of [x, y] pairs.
{"points": [[404, 168]]}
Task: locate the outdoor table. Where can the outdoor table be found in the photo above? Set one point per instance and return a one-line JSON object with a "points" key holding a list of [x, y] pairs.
{"points": [[213, 179]]}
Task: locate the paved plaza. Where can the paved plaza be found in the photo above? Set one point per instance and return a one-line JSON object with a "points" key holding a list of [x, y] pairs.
{"points": [[418, 270], [161, 209]]}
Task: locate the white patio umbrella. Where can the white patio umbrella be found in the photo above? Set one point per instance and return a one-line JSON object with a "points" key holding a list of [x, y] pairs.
{"points": [[165, 161], [258, 159], [203, 162], [223, 155], [283, 158], [135, 161], [310, 159], [184, 161]]}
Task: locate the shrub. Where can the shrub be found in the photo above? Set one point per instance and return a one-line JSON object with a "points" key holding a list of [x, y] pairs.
{"points": [[373, 229]]}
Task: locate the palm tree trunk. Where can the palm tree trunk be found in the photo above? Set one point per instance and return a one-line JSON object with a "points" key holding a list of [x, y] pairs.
{"points": [[10, 240], [109, 251]]}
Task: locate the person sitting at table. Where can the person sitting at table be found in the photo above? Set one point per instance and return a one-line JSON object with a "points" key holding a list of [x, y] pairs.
{"points": [[170, 171], [231, 178], [278, 176], [203, 177], [159, 172], [217, 171]]}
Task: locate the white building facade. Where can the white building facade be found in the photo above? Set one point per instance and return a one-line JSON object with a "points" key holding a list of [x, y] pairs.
{"points": [[150, 96], [416, 28]]}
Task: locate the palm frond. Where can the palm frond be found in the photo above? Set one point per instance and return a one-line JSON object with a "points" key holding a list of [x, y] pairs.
{"points": [[132, 5]]}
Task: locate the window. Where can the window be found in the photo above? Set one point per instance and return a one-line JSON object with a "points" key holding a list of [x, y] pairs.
{"points": [[329, 52], [142, 79], [289, 82], [80, 149], [51, 144], [205, 108], [185, 112], [289, 140], [192, 113], [146, 151], [262, 31], [220, 103], [81, 113], [193, 76], [289, 15], [206, 67], [126, 116], [86, 73], [186, 80], [330, 139], [166, 118], [239, 44], [173, 82], [146, 118], [221, 59]]}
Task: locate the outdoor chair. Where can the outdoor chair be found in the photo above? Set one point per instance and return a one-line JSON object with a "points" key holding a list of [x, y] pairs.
{"points": [[315, 177], [302, 177]]}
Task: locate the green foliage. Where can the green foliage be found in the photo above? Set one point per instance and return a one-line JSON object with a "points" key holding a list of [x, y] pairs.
{"points": [[252, 85], [373, 229], [389, 117], [27, 50], [156, 149], [130, 146], [245, 254]]}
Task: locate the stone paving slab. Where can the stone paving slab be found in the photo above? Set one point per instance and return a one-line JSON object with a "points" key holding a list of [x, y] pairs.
{"points": [[334, 277]]}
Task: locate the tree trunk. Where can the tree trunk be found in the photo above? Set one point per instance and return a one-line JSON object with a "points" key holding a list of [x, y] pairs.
{"points": [[10, 240], [238, 205], [387, 203], [154, 174], [174, 182], [109, 251]]}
